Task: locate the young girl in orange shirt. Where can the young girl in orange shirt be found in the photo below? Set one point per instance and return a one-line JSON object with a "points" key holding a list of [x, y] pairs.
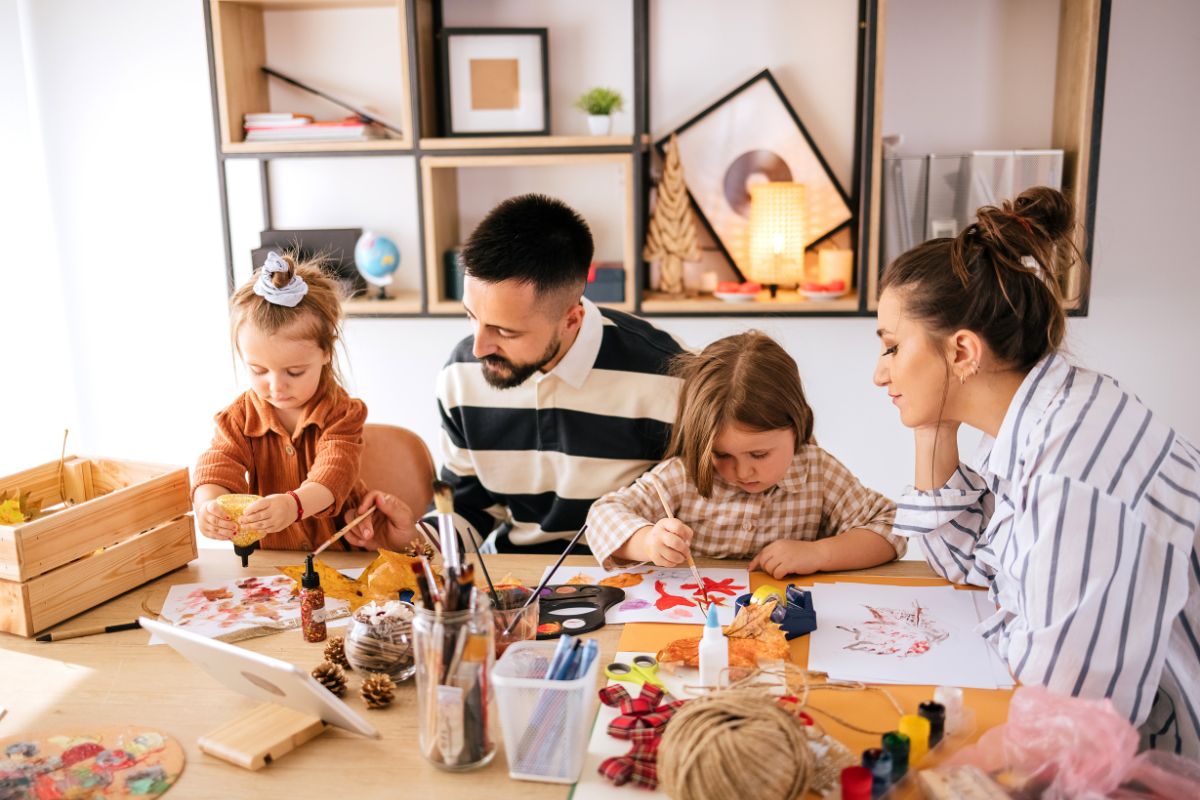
{"points": [[296, 436]]}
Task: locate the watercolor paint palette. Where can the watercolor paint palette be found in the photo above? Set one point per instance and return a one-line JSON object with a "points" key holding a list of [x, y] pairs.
{"points": [[574, 609]]}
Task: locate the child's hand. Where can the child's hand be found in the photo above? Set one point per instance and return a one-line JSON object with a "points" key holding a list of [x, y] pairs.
{"points": [[213, 522], [271, 514], [392, 526], [666, 543], [789, 557]]}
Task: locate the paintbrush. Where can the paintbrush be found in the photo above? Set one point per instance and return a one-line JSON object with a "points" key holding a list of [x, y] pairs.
{"points": [[662, 497], [443, 501], [546, 579], [344, 530], [58, 636], [483, 566]]}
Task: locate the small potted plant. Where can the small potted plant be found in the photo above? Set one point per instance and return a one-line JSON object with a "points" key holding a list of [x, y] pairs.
{"points": [[599, 103]]}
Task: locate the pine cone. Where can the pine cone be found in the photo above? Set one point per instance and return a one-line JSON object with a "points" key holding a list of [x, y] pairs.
{"points": [[331, 677], [378, 690], [335, 652]]}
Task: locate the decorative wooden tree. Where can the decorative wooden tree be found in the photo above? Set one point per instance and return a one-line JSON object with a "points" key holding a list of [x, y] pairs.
{"points": [[671, 237]]}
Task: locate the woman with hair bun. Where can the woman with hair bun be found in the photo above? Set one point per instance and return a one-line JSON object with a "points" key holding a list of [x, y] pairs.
{"points": [[1081, 512]]}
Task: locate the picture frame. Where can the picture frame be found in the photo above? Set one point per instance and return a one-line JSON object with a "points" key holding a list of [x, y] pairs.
{"points": [[754, 134], [494, 81]]}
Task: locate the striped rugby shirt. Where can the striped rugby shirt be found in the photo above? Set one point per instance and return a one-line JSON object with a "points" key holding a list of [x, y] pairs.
{"points": [[538, 455], [1082, 519]]}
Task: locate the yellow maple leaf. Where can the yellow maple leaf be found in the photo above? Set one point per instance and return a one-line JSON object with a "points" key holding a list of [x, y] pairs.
{"points": [[10, 512]]}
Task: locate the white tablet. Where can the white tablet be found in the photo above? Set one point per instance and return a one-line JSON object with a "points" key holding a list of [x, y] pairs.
{"points": [[262, 677]]}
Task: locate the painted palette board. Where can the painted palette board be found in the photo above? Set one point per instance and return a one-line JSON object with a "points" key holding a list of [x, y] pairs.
{"points": [[106, 762], [659, 594], [905, 635], [240, 609]]}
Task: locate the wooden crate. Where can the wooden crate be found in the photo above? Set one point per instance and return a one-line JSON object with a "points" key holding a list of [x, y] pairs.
{"points": [[127, 523]]}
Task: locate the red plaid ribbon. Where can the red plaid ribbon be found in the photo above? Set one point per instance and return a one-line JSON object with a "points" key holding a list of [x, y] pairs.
{"points": [[641, 722]]}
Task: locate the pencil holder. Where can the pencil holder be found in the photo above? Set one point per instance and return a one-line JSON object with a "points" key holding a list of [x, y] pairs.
{"points": [[454, 657], [546, 723]]}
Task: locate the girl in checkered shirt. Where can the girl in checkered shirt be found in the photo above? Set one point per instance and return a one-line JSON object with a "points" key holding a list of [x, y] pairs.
{"points": [[744, 478]]}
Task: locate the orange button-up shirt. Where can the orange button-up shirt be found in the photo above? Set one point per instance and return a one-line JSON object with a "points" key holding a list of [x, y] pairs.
{"points": [[252, 452]]}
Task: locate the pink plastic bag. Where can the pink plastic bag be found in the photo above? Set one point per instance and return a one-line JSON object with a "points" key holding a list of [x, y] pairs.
{"points": [[1069, 747]]}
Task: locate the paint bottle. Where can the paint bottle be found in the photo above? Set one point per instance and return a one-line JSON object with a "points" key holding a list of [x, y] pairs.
{"points": [[896, 745], [714, 651], [856, 783], [951, 700], [312, 603], [879, 762], [936, 714], [917, 730]]}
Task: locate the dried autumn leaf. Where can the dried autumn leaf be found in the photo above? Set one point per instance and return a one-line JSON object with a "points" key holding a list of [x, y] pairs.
{"points": [[10, 512], [752, 636], [383, 579]]}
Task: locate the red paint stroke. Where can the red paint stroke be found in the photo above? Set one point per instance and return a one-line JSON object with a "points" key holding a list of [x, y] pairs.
{"points": [[725, 586], [666, 600]]}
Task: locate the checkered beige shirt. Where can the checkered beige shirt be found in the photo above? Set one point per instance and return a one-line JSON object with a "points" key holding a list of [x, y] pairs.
{"points": [[817, 497]]}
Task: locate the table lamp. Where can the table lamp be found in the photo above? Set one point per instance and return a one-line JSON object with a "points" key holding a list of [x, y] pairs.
{"points": [[778, 223]]}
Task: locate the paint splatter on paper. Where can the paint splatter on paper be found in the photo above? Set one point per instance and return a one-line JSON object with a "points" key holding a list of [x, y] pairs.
{"points": [[240, 609], [101, 763]]}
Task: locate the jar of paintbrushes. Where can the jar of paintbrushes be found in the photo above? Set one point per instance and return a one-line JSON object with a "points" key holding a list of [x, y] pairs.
{"points": [[454, 656]]}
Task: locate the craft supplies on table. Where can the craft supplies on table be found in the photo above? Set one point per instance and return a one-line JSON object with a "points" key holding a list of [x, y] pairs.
{"points": [[661, 594], [641, 670], [546, 693], [515, 619], [92, 528], [380, 640], [794, 610]]}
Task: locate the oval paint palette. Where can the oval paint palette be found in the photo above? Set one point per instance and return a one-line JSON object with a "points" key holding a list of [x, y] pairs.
{"points": [[574, 608]]}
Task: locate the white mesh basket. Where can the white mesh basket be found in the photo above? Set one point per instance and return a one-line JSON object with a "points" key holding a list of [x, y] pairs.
{"points": [[546, 724]]}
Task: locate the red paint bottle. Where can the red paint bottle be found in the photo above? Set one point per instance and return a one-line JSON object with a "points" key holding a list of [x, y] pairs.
{"points": [[312, 603]]}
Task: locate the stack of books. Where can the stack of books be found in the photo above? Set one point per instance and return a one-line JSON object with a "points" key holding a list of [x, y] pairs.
{"points": [[287, 127]]}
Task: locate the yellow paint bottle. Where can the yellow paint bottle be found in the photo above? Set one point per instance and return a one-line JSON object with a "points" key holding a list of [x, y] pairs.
{"points": [[245, 541]]}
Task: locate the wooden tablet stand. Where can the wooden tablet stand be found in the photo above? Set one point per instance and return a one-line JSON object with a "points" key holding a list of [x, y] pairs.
{"points": [[261, 736]]}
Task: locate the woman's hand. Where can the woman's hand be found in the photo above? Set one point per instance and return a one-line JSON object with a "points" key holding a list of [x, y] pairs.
{"points": [[271, 514], [213, 522], [392, 526]]}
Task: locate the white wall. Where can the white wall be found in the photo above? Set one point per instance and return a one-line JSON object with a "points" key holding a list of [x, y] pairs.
{"points": [[137, 229]]}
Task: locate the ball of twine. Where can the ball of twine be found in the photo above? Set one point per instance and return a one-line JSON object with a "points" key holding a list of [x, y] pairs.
{"points": [[734, 744]]}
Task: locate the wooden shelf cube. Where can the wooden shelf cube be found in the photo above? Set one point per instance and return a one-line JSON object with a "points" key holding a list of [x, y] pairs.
{"points": [[313, 41]]}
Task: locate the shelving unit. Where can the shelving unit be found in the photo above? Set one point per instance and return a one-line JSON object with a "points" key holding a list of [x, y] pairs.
{"points": [[239, 39]]}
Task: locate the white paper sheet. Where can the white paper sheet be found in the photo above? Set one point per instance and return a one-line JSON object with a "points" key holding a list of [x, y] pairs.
{"points": [[897, 634], [656, 594]]}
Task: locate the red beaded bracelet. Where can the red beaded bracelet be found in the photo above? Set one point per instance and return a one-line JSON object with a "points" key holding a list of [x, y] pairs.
{"points": [[299, 508]]}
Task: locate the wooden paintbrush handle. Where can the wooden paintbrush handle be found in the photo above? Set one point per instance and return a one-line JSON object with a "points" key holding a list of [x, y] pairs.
{"points": [[344, 530]]}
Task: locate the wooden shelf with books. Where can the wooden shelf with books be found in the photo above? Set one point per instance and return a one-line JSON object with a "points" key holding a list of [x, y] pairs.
{"points": [[250, 36], [611, 177]]}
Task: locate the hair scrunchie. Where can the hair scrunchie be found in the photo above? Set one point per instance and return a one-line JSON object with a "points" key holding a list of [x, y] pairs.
{"points": [[290, 295]]}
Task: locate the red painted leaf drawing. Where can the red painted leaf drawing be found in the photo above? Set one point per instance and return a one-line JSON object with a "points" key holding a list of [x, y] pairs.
{"points": [[666, 600], [901, 633], [713, 589]]}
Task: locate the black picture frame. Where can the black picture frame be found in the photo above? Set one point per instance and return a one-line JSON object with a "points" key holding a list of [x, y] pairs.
{"points": [[835, 193], [447, 88]]}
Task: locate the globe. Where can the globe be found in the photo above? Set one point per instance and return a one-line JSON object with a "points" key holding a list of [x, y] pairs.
{"points": [[376, 258]]}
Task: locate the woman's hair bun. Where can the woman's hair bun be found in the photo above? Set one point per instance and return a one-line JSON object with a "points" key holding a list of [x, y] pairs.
{"points": [[1047, 209]]}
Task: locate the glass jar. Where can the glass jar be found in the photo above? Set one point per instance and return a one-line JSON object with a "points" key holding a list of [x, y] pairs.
{"points": [[454, 654], [381, 639]]}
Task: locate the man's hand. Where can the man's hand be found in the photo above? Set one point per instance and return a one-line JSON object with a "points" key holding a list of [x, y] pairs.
{"points": [[391, 527]]}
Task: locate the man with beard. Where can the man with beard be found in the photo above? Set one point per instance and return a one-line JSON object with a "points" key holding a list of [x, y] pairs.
{"points": [[552, 402]]}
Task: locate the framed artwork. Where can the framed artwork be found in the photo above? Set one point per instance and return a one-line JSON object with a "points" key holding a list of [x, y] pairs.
{"points": [[753, 135], [495, 81]]}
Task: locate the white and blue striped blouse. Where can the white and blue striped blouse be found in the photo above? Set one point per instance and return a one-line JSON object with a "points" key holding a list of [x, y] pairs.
{"points": [[1082, 519]]}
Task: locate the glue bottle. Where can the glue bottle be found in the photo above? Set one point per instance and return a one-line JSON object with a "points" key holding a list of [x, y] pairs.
{"points": [[714, 651], [312, 603]]}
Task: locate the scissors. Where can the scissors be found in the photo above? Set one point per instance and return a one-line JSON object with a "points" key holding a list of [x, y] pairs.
{"points": [[644, 669]]}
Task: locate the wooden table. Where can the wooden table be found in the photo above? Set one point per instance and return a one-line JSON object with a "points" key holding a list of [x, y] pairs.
{"points": [[115, 679]]}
